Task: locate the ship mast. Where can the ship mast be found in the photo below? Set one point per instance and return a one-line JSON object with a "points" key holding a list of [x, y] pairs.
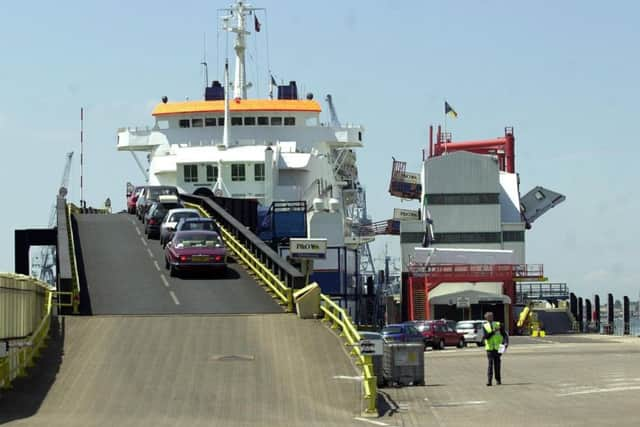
{"points": [[240, 11]]}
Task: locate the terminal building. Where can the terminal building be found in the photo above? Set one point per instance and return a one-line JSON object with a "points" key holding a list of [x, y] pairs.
{"points": [[473, 226]]}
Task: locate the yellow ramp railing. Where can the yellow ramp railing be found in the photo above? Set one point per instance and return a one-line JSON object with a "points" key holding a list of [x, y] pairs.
{"points": [[341, 321], [25, 318], [332, 312]]}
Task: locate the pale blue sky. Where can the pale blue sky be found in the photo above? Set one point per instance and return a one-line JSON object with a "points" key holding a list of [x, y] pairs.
{"points": [[564, 74]]}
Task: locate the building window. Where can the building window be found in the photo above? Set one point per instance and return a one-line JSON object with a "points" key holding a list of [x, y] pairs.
{"points": [[467, 238], [190, 173], [258, 171], [236, 121], [463, 199], [289, 121], [196, 123], [238, 172], [212, 173], [263, 121], [249, 121], [184, 123], [210, 121], [220, 121], [513, 236], [276, 121]]}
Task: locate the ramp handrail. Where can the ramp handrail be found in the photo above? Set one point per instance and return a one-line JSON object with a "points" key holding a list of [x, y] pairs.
{"points": [[266, 275], [25, 318], [341, 320], [75, 290]]}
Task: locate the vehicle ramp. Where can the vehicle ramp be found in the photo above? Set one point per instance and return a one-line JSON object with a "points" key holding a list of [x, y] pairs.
{"points": [[187, 351]]}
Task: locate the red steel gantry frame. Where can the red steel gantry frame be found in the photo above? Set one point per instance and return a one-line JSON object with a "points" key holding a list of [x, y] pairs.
{"points": [[503, 147], [424, 279]]}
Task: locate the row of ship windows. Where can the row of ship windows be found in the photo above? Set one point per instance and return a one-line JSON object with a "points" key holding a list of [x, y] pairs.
{"points": [[238, 172], [442, 238], [237, 121]]}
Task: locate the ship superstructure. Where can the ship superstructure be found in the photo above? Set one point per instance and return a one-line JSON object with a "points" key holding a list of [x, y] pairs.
{"points": [[270, 149]]}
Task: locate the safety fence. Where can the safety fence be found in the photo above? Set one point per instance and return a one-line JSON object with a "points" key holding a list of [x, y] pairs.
{"points": [[25, 318], [340, 320]]}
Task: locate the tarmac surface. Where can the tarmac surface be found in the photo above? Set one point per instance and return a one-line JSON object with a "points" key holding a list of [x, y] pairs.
{"points": [[563, 380]]}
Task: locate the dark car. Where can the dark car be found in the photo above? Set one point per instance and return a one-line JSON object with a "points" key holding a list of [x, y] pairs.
{"points": [[439, 333], [198, 224], [152, 194], [156, 213], [401, 332], [195, 250]]}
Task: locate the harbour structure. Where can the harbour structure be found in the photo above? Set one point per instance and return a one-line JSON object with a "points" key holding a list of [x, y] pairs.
{"points": [[465, 254]]}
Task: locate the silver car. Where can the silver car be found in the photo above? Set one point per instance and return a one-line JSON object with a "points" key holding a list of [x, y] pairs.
{"points": [[472, 330], [168, 225]]}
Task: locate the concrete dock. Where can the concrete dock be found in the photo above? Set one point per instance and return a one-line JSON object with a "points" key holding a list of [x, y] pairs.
{"points": [[559, 380]]}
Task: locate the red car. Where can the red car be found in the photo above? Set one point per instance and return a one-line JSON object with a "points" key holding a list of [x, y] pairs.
{"points": [[439, 333], [132, 198], [195, 250]]}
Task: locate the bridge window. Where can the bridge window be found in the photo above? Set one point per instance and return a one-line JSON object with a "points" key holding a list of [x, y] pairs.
{"points": [[236, 121], [212, 173], [238, 172], [276, 121], [289, 121], [196, 123], [210, 121], [220, 121], [467, 237], [258, 171], [184, 123], [513, 236], [190, 173], [249, 121], [263, 121], [463, 199]]}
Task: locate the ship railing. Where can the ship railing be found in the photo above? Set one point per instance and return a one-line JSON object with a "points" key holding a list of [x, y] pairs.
{"points": [[263, 262], [25, 319], [340, 320]]}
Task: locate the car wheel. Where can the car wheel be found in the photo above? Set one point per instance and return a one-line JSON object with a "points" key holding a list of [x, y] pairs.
{"points": [[461, 343], [166, 263], [441, 345], [479, 344], [172, 271]]}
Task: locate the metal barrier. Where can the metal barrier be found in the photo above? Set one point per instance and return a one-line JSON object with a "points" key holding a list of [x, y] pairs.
{"points": [[25, 318], [279, 287], [341, 320], [75, 289]]}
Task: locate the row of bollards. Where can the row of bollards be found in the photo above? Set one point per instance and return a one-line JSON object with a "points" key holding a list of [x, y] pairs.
{"points": [[588, 318]]}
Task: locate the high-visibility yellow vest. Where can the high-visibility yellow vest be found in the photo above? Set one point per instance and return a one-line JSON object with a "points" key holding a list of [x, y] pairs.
{"points": [[494, 342]]}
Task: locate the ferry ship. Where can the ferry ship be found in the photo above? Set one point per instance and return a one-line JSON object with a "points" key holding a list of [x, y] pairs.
{"points": [[269, 149]]}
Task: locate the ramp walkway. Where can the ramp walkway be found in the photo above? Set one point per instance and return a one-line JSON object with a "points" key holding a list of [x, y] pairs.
{"points": [[162, 351]]}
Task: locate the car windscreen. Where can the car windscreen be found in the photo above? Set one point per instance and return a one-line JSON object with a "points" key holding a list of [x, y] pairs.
{"points": [[465, 325], [370, 335], [198, 225], [155, 193], [392, 330], [208, 240], [179, 215]]}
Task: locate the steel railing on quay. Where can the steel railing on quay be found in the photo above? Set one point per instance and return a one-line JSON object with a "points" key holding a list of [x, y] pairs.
{"points": [[340, 320], [25, 318]]}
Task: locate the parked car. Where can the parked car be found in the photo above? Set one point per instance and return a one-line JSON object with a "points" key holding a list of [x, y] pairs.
{"points": [[156, 214], [472, 330], [170, 221], [439, 333], [195, 250], [401, 332], [132, 198], [152, 194]]}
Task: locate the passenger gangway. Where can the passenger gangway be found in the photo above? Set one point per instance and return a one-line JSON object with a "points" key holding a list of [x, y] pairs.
{"points": [[150, 349]]}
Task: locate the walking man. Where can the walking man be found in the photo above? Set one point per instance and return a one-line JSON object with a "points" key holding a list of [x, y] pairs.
{"points": [[494, 337]]}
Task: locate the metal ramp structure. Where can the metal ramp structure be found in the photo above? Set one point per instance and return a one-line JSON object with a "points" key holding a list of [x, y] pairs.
{"points": [[155, 350]]}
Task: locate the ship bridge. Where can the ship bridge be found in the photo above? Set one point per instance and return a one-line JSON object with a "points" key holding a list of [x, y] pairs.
{"points": [[121, 342]]}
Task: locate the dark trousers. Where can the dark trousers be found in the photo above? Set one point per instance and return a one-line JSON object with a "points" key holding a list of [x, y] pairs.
{"points": [[494, 362]]}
